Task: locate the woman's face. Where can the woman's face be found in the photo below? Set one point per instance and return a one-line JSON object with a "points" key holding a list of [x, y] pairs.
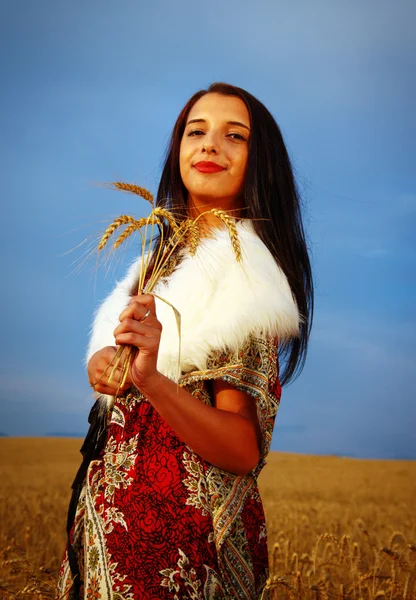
{"points": [[214, 151]]}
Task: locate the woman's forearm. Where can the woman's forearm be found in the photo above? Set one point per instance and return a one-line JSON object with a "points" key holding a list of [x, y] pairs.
{"points": [[225, 439]]}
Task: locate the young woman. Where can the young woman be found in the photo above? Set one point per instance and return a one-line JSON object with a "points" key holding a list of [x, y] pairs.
{"points": [[169, 507]]}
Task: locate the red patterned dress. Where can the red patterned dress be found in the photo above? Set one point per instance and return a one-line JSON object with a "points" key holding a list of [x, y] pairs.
{"points": [[154, 520]]}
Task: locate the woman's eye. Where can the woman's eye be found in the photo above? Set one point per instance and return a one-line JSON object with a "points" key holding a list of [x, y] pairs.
{"points": [[196, 132], [237, 136]]}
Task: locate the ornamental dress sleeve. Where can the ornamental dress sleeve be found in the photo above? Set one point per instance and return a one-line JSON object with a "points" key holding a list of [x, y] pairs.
{"points": [[253, 369]]}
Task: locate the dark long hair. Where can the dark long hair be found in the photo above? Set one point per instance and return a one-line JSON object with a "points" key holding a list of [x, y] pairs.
{"points": [[272, 201]]}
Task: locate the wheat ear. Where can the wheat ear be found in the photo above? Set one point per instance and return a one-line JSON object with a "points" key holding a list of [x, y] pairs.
{"points": [[129, 230], [134, 189], [123, 236], [229, 223], [122, 220], [166, 214], [193, 237]]}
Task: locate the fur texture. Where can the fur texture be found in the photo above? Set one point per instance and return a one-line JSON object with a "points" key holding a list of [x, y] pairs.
{"points": [[221, 302]]}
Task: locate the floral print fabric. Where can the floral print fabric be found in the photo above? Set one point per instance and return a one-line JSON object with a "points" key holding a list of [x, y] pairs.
{"points": [[155, 521]]}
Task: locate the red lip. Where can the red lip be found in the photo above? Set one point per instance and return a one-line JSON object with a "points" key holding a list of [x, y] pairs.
{"points": [[208, 167]]}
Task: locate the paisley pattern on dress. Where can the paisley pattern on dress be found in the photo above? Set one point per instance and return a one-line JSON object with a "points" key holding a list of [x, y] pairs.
{"points": [[155, 521]]}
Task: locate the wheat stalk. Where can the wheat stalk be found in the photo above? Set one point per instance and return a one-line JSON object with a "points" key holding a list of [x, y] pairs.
{"points": [[174, 240], [345, 547], [295, 562], [125, 354], [276, 556], [298, 583], [320, 591], [275, 582]]}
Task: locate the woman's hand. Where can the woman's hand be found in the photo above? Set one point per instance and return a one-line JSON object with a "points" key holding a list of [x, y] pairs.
{"points": [[227, 435], [99, 370], [139, 327]]}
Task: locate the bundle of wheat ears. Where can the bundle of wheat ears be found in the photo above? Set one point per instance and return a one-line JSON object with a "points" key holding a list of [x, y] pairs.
{"points": [[185, 231]]}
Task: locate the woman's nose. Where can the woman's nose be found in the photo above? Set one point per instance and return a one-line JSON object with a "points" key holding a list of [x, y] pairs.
{"points": [[209, 144], [209, 149]]}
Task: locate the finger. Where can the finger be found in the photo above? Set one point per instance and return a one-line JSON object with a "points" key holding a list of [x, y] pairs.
{"points": [[144, 342], [110, 391], [130, 325], [113, 378], [107, 370], [139, 306], [147, 300], [111, 387], [105, 389]]}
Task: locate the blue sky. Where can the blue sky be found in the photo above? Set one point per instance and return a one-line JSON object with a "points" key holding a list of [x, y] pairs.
{"points": [[90, 92]]}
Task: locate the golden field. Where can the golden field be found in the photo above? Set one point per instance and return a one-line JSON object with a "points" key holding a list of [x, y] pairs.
{"points": [[338, 528]]}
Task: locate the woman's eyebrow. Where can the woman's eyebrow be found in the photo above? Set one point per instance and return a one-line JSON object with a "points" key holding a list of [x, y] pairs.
{"points": [[196, 121], [238, 123], [228, 123]]}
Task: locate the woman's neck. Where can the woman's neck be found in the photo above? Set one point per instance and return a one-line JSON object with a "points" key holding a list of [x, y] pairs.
{"points": [[197, 206]]}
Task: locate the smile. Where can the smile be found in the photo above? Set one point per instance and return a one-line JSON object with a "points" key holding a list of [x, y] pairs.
{"points": [[208, 167]]}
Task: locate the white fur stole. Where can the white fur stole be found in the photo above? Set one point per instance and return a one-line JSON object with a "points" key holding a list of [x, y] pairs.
{"points": [[221, 302]]}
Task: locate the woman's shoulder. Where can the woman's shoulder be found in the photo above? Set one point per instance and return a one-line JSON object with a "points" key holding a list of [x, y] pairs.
{"points": [[251, 291]]}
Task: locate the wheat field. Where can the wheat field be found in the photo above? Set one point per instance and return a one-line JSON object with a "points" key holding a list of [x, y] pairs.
{"points": [[338, 528]]}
